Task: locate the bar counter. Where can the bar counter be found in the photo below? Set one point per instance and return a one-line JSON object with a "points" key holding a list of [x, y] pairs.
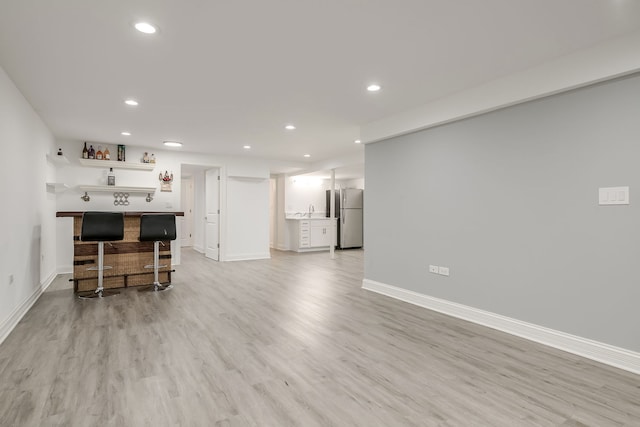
{"points": [[127, 257]]}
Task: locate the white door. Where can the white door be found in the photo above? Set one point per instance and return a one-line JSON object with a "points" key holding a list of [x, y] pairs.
{"points": [[212, 219], [187, 207]]}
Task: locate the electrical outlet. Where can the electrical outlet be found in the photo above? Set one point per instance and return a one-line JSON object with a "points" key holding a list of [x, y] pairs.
{"points": [[433, 269], [444, 271]]}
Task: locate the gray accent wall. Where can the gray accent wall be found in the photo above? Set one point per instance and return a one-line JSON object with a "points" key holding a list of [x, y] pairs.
{"points": [[509, 202]]}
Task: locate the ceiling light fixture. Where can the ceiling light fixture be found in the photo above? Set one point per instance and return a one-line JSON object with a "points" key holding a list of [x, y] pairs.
{"points": [[307, 155], [357, 141], [131, 102], [173, 144], [373, 87], [145, 27], [289, 127], [125, 133], [246, 147]]}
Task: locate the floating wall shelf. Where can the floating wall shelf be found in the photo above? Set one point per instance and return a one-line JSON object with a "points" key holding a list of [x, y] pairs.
{"points": [[56, 187], [58, 160], [117, 189], [116, 165]]}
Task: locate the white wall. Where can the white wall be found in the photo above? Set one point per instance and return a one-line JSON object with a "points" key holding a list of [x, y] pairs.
{"points": [[354, 183], [28, 246], [302, 191], [248, 226]]}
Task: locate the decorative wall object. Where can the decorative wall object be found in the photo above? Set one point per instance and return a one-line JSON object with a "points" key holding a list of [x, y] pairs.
{"points": [[166, 181]]}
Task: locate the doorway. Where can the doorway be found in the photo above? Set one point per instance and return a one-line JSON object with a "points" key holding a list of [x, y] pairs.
{"points": [[202, 195]]}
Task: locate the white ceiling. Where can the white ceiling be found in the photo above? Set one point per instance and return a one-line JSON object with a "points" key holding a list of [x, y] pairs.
{"points": [[222, 74]]}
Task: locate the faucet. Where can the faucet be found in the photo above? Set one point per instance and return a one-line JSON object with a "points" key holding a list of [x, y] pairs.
{"points": [[311, 210]]}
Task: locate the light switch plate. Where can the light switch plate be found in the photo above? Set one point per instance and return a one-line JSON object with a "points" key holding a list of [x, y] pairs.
{"points": [[613, 196], [433, 269], [444, 271]]}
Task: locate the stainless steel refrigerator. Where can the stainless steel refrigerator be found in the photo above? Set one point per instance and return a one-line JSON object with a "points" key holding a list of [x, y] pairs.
{"points": [[349, 213]]}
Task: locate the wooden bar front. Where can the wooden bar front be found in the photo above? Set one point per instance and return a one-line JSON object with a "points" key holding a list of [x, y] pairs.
{"points": [[127, 257]]}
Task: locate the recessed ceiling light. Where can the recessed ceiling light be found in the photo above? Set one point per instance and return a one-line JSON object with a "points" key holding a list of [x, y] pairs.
{"points": [[173, 144], [307, 155], [357, 141], [373, 87], [246, 147], [289, 127], [125, 133], [131, 102], [145, 27]]}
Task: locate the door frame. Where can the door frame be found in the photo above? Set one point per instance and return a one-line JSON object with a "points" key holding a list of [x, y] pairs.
{"points": [[188, 195], [222, 202]]}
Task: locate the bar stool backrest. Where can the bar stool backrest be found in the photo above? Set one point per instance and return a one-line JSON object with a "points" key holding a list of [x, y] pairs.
{"points": [[155, 227], [102, 226]]}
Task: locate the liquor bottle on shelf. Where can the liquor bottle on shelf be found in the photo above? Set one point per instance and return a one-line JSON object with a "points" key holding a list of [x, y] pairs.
{"points": [[111, 177], [107, 154], [92, 152], [121, 153], [99, 153], [153, 158], [85, 152]]}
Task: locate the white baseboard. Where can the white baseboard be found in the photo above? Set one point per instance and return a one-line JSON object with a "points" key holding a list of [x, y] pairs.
{"points": [[198, 249], [248, 257], [65, 269], [594, 350], [7, 325]]}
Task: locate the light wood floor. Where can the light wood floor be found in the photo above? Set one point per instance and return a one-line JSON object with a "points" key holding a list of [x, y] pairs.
{"points": [[291, 341]]}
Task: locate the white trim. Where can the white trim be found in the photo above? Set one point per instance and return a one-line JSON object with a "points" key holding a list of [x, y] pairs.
{"points": [[607, 60], [197, 248], [600, 352], [14, 318], [65, 269], [248, 257]]}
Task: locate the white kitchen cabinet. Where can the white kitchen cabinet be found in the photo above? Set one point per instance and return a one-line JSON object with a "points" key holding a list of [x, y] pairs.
{"points": [[320, 234], [310, 234], [304, 240]]}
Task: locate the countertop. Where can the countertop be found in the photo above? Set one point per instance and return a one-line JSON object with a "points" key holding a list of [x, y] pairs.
{"points": [[62, 214], [299, 218]]}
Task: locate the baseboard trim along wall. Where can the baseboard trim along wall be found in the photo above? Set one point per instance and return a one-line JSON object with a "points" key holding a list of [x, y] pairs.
{"points": [[248, 257], [600, 352], [14, 318]]}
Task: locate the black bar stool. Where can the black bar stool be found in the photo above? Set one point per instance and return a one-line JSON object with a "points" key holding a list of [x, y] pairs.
{"points": [[101, 227], [156, 228]]}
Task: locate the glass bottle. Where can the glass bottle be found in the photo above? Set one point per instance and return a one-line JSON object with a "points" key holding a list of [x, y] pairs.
{"points": [[111, 177], [106, 154], [85, 152], [99, 153], [92, 152]]}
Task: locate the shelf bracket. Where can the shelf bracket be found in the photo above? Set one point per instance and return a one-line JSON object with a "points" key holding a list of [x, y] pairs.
{"points": [[149, 198], [86, 197]]}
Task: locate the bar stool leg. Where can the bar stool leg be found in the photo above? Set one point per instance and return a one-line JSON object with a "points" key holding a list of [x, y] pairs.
{"points": [[99, 291], [156, 266]]}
